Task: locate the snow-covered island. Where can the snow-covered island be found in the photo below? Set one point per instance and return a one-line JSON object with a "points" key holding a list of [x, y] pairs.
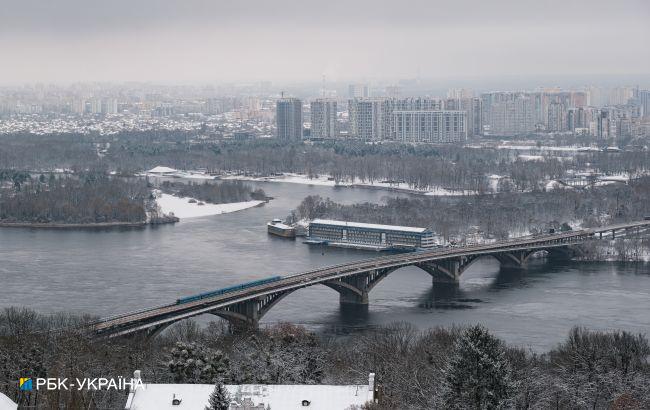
{"points": [[183, 208]]}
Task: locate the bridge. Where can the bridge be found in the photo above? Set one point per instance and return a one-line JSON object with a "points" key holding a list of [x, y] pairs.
{"points": [[354, 280]]}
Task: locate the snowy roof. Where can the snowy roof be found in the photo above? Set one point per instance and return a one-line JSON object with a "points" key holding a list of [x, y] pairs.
{"points": [[279, 225], [369, 226], [160, 170], [289, 397], [6, 403]]}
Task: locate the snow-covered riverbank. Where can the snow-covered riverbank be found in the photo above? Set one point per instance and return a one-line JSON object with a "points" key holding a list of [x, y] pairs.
{"points": [[181, 208], [321, 180], [327, 181]]}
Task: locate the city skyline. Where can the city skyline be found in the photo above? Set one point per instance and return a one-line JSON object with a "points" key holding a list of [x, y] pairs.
{"points": [[282, 41]]}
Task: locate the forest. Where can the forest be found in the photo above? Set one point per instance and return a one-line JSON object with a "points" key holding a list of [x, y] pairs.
{"points": [[420, 166], [86, 198], [221, 192], [451, 368], [497, 216]]}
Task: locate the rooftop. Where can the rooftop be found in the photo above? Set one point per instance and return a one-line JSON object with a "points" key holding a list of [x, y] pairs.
{"points": [[369, 226], [160, 170], [7, 404], [285, 397]]}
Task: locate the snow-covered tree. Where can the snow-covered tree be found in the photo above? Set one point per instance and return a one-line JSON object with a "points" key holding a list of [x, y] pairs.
{"points": [[478, 375], [192, 363], [219, 398]]}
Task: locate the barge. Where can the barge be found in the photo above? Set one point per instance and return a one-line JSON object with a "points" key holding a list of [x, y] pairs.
{"points": [[277, 228]]}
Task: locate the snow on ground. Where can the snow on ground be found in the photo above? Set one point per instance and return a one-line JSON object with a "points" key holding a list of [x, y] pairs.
{"points": [[303, 179], [542, 148], [447, 192], [531, 157], [553, 184], [290, 178], [494, 182], [326, 181], [170, 172], [181, 208]]}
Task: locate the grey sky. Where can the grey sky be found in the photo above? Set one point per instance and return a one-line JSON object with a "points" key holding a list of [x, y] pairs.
{"points": [[201, 40]]}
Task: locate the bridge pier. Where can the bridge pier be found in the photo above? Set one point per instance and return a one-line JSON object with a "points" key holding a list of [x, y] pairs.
{"points": [[246, 315], [445, 271], [514, 260], [350, 298], [354, 290]]}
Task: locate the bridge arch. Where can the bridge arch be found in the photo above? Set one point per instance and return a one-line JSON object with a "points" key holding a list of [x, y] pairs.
{"points": [[354, 280], [355, 289]]}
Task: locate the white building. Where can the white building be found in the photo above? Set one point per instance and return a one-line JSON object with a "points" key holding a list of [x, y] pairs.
{"points": [[433, 126], [252, 396]]}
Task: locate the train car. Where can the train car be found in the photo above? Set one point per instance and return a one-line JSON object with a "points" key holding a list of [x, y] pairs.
{"points": [[221, 291]]}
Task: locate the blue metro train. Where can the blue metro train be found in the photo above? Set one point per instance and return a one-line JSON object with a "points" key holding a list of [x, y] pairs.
{"points": [[246, 285]]}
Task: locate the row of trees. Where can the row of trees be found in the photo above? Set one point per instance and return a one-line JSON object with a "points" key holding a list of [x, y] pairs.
{"points": [[85, 198], [221, 192], [458, 368]]}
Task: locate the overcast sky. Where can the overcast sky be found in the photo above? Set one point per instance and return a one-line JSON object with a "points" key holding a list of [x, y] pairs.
{"points": [[192, 41]]}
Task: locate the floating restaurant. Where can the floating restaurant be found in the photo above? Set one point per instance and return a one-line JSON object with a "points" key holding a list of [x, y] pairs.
{"points": [[368, 236]]}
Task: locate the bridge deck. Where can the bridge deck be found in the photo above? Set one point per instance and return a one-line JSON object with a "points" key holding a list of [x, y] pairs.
{"points": [[133, 321]]}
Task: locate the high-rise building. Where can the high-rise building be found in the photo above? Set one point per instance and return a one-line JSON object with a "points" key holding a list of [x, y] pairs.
{"points": [[643, 98], [577, 118], [371, 118], [419, 103], [430, 126], [605, 125], [596, 97], [557, 117], [96, 106], [393, 91], [109, 106], [323, 119], [472, 106], [620, 95], [79, 106], [507, 113], [459, 93], [474, 118], [358, 91], [579, 99], [288, 117]]}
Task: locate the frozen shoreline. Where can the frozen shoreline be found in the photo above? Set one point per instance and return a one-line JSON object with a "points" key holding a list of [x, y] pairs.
{"points": [[181, 208], [326, 181], [321, 180]]}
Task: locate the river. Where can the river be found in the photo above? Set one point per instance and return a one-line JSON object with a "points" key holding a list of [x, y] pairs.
{"points": [[116, 270]]}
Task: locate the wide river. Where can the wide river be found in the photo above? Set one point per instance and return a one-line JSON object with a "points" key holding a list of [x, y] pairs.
{"points": [[117, 270]]}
